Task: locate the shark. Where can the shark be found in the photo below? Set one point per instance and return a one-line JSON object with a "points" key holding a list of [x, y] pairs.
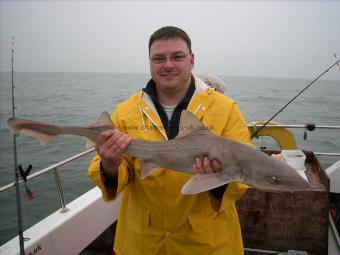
{"points": [[240, 162]]}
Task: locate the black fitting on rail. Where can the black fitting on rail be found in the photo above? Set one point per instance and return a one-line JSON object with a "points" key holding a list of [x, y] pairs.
{"points": [[310, 127]]}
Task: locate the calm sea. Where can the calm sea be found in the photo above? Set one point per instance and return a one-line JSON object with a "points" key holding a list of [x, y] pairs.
{"points": [[79, 99]]}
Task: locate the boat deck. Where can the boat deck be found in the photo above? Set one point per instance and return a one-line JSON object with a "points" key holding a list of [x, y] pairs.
{"points": [[288, 220]]}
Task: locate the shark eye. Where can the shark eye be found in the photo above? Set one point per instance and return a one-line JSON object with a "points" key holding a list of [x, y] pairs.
{"points": [[275, 179]]}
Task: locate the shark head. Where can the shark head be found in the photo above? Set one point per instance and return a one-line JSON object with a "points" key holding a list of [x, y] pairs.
{"points": [[240, 163], [280, 178]]}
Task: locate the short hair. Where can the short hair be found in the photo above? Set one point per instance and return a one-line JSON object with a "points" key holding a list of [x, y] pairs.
{"points": [[214, 82], [170, 32]]}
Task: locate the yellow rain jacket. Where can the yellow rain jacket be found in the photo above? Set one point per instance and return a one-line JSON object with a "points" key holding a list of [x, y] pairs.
{"points": [[155, 218]]}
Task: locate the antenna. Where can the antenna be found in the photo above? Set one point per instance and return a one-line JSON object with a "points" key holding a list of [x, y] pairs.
{"points": [[16, 172]]}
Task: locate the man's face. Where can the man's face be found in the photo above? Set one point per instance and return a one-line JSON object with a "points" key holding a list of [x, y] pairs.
{"points": [[171, 63]]}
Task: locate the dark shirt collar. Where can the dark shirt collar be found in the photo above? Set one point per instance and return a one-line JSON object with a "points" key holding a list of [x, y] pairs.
{"points": [[150, 89], [171, 126]]}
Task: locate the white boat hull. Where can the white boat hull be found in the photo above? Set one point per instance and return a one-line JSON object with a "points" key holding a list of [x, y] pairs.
{"points": [[69, 232]]}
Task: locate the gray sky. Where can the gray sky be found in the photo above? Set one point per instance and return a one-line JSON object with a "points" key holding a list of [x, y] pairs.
{"points": [[295, 39]]}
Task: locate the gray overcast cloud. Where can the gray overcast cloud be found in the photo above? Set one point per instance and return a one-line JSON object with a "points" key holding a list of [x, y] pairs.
{"points": [[246, 38]]}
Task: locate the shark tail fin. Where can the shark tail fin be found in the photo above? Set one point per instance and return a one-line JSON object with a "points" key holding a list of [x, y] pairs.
{"points": [[15, 126], [12, 124]]}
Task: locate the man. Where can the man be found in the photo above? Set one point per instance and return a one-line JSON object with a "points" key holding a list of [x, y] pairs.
{"points": [[155, 218]]}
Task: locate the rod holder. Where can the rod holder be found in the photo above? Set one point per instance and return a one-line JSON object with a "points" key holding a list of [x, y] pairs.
{"points": [[64, 209]]}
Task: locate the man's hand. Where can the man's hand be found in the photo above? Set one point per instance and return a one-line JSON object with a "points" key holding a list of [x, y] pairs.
{"points": [[206, 166], [110, 146]]}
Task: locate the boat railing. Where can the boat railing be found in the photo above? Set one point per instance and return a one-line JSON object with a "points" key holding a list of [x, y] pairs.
{"points": [[55, 168], [295, 126]]}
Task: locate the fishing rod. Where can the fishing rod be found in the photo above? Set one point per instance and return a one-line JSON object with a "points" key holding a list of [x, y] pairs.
{"points": [[310, 84], [16, 169], [336, 58]]}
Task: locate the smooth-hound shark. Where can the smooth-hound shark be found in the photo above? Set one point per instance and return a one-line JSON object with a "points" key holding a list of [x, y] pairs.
{"points": [[240, 163]]}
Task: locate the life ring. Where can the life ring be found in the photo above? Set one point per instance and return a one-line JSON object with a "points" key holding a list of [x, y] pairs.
{"points": [[281, 135]]}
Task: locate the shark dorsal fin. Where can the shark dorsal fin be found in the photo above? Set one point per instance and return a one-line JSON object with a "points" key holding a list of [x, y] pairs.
{"points": [[104, 119], [189, 123]]}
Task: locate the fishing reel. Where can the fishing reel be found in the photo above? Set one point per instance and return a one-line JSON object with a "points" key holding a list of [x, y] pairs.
{"points": [[24, 174]]}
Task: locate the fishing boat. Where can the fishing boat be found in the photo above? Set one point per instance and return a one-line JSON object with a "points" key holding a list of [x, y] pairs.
{"points": [[305, 222], [272, 223]]}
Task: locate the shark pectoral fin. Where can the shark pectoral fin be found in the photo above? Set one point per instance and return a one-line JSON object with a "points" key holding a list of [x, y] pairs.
{"points": [[203, 182], [147, 168], [43, 138]]}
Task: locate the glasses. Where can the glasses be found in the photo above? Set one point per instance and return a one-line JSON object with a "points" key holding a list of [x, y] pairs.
{"points": [[175, 57]]}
